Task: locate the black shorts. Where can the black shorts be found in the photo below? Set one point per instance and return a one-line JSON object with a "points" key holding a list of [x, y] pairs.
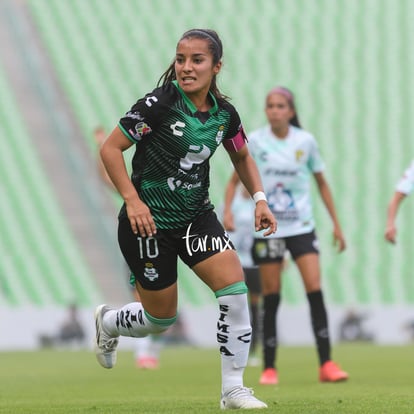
{"points": [[252, 278], [153, 260], [273, 250]]}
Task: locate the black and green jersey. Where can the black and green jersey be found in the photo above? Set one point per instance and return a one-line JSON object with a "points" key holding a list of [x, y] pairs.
{"points": [[174, 143]]}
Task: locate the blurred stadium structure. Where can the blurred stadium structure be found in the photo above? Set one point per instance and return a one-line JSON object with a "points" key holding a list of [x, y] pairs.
{"points": [[68, 66]]}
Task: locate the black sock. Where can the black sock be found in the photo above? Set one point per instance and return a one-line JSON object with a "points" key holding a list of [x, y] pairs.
{"points": [[320, 325], [270, 305]]}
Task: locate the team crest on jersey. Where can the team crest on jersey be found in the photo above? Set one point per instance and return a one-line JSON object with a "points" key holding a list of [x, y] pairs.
{"points": [[298, 155], [141, 129], [150, 272], [260, 249], [219, 136]]}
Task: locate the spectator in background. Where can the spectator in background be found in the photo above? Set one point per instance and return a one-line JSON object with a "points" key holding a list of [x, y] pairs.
{"points": [[167, 212], [72, 329], [409, 328], [146, 349], [405, 186], [70, 332], [287, 158], [351, 328]]}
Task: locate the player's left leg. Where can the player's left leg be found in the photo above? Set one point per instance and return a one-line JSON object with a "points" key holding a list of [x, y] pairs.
{"points": [[223, 274], [309, 268]]}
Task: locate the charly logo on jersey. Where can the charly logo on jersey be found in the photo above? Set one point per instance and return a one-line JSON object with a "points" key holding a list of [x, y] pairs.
{"points": [[263, 156], [219, 135], [175, 129], [150, 272], [150, 100], [195, 243]]}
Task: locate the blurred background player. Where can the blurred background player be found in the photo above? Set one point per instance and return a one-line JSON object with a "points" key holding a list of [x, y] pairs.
{"points": [[287, 158], [146, 349], [405, 186], [238, 220]]}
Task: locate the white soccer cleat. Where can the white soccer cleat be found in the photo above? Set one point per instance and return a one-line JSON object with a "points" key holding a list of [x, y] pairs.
{"points": [[105, 345], [240, 398]]}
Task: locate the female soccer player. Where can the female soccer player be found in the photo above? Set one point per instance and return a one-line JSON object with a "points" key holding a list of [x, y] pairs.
{"points": [[167, 213], [405, 186], [287, 157]]}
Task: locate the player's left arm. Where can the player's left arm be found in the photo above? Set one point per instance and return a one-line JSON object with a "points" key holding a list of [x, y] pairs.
{"points": [[248, 173], [326, 195], [393, 207]]}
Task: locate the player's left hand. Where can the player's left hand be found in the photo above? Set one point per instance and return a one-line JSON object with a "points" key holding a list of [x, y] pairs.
{"points": [[264, 219], [339, 240], [391, 234]]}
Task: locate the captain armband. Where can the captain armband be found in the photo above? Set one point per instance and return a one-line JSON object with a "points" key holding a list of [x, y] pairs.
{"points": [[236, 143]]}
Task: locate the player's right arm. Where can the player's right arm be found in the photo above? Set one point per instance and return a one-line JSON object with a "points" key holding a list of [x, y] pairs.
{"points": [[112, 156]]}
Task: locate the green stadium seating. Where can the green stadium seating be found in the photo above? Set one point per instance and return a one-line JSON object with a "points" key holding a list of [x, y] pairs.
{"points": [[40, 261]]}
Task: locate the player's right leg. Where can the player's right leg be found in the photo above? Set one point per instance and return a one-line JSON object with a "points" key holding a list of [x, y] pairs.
{"points": [[131, 320], [153, 261]]}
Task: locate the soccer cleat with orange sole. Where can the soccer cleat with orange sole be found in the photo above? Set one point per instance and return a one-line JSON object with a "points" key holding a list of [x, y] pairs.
{"points": [[330, 372], [269, 377], [147, 362]]}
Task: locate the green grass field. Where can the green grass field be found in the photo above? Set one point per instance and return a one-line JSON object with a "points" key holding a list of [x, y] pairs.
{"points": [[382, 381]]}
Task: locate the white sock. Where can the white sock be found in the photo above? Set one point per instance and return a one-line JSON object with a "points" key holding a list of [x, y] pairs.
{"points": [[148, 347], [142, 347], [131, 320], [234, 334]]}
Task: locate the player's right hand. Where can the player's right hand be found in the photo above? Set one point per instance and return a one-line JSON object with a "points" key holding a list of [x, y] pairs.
{"points": [[141, 219]]}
